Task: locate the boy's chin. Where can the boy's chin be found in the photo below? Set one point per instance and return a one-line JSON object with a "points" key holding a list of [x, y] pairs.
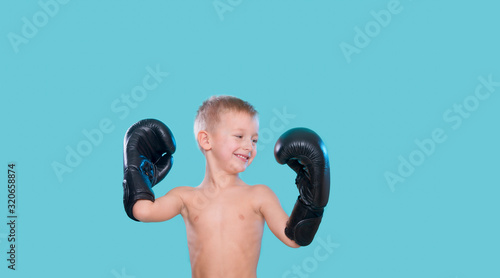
{"points": [[240, 169], [243, 170]]}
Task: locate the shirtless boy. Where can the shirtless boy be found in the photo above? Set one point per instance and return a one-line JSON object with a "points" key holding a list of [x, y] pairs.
{"points": [[224, 216]]}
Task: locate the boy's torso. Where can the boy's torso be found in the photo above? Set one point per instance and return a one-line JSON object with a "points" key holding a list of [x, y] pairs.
{"points": [[224, 230]]}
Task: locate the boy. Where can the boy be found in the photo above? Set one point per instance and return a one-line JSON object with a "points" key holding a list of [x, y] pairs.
{"points": [[224, 216]]}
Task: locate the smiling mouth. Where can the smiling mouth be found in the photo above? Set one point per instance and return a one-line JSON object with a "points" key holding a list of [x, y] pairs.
{"points": [[242, 157]]}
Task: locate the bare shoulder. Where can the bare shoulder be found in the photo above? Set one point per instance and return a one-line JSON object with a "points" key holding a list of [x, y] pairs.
{"points": [[262, 190], [181, 193], [181, 190], [267, 203], [263, 194]]}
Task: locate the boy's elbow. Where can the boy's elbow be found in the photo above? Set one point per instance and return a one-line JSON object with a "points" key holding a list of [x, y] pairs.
{"points": [[289, 242], [142, 211], [293, 244]]}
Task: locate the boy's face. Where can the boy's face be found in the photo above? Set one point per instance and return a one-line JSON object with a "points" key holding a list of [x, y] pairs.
{"points": [[234, 141]]}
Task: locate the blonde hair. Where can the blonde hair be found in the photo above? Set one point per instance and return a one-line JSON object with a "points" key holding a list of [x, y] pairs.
{"points": [[208, 115]]}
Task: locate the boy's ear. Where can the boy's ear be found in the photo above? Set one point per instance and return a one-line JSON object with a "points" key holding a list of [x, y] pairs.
{"points": [[204, 141]]}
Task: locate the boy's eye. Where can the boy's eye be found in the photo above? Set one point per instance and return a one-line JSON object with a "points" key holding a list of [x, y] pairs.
{"points": [[255, 141], [238, 136]]}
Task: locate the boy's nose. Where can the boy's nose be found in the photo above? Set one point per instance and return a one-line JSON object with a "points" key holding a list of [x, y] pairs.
{"points": [[247, 145]]}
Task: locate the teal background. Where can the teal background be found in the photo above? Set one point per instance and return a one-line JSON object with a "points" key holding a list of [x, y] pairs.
{"points": [[442, 221]]}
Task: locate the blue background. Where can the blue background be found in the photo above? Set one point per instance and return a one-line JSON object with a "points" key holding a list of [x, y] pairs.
{"points": [[441, 221]]}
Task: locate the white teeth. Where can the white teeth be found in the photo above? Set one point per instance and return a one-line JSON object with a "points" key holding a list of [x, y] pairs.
{"points": [[244, 157]]}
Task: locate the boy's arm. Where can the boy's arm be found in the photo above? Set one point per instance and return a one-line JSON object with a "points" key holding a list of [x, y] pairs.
{"points": [[304, 151], [274, 214], [147, 159], [162, 209]]}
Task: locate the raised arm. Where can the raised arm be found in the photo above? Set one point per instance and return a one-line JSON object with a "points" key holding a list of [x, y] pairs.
{"points": [[147, 159], [273, 213], [162, 209], [304, 151]]}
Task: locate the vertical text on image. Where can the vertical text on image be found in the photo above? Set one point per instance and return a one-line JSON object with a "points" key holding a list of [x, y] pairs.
{"points": [[12, 221]]}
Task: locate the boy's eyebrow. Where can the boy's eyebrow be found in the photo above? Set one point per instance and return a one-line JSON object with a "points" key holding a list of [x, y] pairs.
{"points": [[241, 129]]}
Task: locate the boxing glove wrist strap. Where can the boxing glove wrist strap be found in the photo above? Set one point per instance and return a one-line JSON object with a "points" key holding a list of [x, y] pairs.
{"points": [[303, 223], [136, 186]]}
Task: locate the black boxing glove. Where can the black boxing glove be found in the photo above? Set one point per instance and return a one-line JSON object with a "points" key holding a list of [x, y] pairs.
{"points": [[147, 158], [304, 151]]}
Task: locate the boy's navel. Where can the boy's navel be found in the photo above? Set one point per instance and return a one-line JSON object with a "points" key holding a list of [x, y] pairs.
{"points": [[241, 217]]}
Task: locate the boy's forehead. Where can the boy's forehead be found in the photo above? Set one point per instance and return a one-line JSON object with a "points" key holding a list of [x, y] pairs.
{"points": [[237, 119], [237, 116]]}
